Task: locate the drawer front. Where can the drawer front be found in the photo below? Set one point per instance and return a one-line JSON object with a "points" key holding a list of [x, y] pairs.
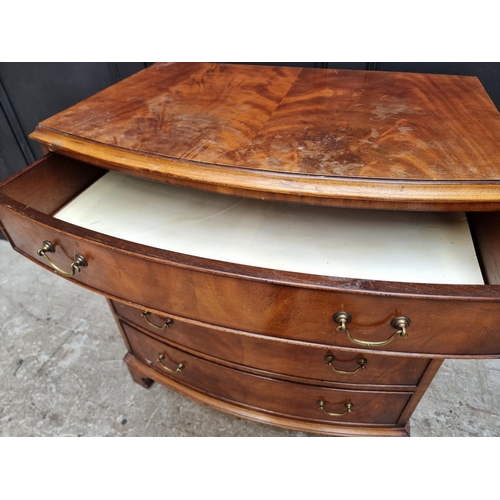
{"points": [[445, 320], [439, 325], [266, 394], [304, 361]]}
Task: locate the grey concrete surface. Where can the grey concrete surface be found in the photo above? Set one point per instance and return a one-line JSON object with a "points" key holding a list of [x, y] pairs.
{"points": [[62, 374]]}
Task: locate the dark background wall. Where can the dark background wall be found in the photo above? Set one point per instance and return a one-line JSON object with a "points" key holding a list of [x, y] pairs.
{"points": [[31, 92]]}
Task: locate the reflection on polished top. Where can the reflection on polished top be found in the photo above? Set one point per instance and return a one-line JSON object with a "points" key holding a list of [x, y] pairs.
{"points": [[335, 137]]}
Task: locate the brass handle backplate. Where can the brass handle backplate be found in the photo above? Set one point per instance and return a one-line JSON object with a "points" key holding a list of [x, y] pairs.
{"points": [[401, 323], [330, 358], [348, 405], [179, 368], [75, 265], [168, 321]]}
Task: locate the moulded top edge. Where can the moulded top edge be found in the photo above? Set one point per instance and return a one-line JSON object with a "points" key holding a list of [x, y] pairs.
{"points": [[361, 136]]}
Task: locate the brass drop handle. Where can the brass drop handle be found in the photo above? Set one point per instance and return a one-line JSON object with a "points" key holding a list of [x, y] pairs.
{"points": [[75, 266], [330, 358], [168, 321], [348, 405], [160, 359], [401, 323]]}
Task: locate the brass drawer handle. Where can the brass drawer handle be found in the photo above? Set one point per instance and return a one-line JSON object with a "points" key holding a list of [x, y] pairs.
{"points": [[75, 266], [330, 358], [160, 359], [401, 323], [349, 406], [168, 321]]}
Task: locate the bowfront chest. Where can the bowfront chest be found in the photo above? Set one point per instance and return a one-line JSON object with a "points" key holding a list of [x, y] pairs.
{"points": [[299, 247]]}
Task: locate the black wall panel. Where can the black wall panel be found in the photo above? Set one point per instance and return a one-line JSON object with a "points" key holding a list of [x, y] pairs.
{"points": [[291, 64], [334, 65], [11, 157], [348, 65]]}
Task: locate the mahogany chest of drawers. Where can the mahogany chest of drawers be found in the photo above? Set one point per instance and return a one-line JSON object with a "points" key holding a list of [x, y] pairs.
{"points": [[293, 246]]}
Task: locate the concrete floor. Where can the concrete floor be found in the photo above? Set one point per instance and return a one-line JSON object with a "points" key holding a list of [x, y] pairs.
{"points": [[62, 374]]}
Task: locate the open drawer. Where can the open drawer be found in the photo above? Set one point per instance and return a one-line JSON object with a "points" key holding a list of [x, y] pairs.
{"points": [[441, 319]]}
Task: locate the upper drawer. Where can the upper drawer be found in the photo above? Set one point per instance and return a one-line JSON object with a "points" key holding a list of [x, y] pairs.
{"points": [[446, 320]]}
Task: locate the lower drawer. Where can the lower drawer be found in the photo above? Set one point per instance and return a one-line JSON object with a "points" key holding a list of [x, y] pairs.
{"points": [[264, 394], [294, 359]]}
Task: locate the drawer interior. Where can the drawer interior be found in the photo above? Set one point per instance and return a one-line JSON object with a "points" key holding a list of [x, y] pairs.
{"points": [[50, 183], [414, 247], [418, 247]]}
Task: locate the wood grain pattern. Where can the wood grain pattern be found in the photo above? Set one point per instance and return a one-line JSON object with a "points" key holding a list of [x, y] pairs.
{"points": [[265, 394], [202, 112], [300, 361], [145, 374], [343, 138], [50, 182], [383, 126]]}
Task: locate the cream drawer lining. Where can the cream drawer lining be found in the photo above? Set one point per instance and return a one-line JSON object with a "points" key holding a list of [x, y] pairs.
{"points": [[418, 247]]}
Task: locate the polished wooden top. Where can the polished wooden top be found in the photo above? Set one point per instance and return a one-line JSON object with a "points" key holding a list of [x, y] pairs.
{"points": [[334, 137]]}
